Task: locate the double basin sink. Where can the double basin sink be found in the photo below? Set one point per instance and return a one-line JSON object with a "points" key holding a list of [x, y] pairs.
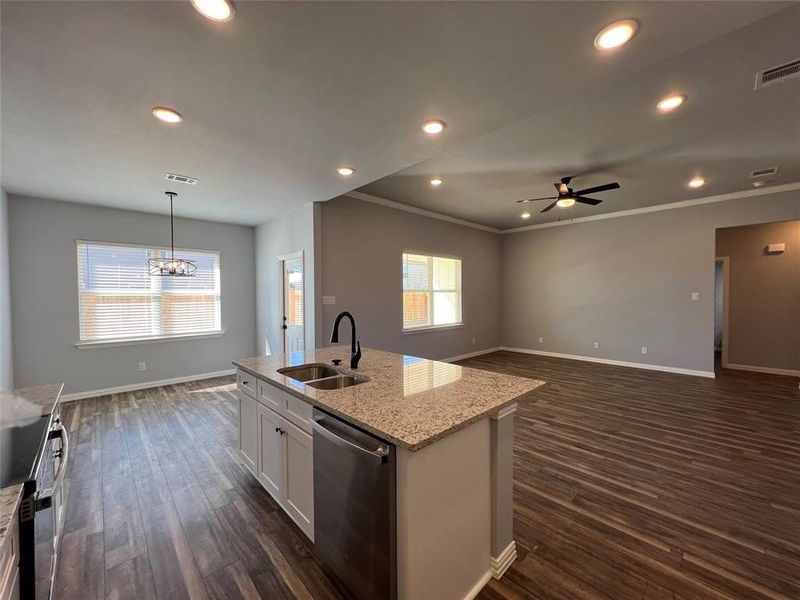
{"points": [[322, 376]]}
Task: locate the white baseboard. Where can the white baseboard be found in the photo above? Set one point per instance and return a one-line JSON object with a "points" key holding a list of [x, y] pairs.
{"points": [[499, 564], [618, 363], [769, 370], [476, 589], [471, 354], [143, 385]]}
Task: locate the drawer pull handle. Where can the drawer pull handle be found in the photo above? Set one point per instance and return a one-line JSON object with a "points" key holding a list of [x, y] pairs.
{"points": [[279, 430]]}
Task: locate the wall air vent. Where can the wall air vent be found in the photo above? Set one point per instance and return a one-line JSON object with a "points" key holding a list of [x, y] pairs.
{"points": [[778, 74], [180, 178], [764, 172]]}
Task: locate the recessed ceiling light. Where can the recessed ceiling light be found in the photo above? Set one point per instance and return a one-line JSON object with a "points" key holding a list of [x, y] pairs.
{"points": [[345, 171], [697, 182], [616, 34], [216, 10], [526, 215], [167, 115], [566, 202], [670, 103], [436, 182], [433, 127]]}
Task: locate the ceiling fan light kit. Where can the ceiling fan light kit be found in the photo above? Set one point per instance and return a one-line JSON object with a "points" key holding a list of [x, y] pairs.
{"points": [[567, 196]]}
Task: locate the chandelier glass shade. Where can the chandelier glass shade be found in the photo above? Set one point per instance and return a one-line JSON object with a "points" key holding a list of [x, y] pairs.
{"points": [[171, 266]]}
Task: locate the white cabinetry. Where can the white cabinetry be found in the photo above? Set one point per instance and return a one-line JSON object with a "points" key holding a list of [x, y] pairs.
{"points": [[299, 482], [248, 430], [271, 452], [275, 442]]}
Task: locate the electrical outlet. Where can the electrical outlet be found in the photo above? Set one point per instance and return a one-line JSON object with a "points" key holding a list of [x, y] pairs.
{"points": [[644, 349], [695, 296], [329, 300], [142, 366], [473, 340], [596, 344], [541, 340]]}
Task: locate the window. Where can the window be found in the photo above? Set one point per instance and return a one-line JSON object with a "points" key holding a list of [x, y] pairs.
{"points": [[431, 292], [120, 301]]}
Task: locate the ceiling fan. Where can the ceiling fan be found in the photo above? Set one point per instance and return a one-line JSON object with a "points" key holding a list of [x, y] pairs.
{"points": [[567, 196]]}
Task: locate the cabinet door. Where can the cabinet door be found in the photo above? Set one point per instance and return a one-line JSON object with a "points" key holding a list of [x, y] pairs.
{"points": [[271, 453], [300, 477], [248, 430]]}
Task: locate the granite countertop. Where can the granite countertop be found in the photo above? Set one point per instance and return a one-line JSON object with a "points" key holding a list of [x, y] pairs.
{"points": [[409, 401], [18, 406], [30, 402]]}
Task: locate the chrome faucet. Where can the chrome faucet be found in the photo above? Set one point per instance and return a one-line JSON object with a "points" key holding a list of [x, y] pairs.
{"points": [[355, 345]]}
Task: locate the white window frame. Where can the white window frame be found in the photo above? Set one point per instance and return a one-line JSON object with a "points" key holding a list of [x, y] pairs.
{"points": [[149, 339], [428, 328]]}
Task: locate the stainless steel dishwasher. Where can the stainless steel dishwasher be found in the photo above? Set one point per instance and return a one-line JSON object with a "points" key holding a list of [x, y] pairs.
{"points": [[354, 507]]}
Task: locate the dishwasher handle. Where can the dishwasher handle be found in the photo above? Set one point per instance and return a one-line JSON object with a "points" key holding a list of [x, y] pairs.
{"points": [[379, 455]]}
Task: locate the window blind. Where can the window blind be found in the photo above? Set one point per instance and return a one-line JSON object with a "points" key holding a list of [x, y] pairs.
{"points": [[119, 300], [431, 291]]}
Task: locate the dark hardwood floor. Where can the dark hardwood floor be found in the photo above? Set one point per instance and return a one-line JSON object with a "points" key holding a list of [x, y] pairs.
{"points": [[629, 484]]}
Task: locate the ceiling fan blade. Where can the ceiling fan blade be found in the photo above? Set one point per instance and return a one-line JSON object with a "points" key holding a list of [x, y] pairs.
{"points": [[599, 188], [535, 199], [585, 200], [549, 206]]}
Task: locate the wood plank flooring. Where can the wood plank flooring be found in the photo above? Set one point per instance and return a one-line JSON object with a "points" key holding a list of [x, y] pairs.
{"points": [[629, 484]]}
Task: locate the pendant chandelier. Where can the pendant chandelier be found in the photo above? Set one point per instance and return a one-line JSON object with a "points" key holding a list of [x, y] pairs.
{"points": [[171, 267]]}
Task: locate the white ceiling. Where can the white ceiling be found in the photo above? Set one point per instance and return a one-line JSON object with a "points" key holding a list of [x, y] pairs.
{"points": [[612, 132], [274, 100]]}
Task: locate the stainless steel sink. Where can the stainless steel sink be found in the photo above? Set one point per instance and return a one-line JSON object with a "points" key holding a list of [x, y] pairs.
{"points": [[308, 372], [337, 383]]}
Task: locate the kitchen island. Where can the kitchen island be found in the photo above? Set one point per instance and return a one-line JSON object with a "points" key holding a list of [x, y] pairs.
{"points": [[450, 430]]}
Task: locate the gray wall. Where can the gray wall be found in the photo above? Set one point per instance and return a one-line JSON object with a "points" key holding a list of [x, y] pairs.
{"points": [[625, 282], [362, 247], [290, 233], [764, 295], [44, 294], [6, 357]]}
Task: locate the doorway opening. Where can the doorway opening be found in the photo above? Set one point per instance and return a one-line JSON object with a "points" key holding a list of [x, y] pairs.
{"points": [[291, 314], [721, 278]]}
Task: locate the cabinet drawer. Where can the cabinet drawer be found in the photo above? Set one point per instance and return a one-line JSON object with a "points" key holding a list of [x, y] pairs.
{"points": [[298, 412], [271, 397], [246, 383]]}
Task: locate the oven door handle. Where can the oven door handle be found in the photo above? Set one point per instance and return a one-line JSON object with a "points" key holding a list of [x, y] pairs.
{"points": [[44, 498]]}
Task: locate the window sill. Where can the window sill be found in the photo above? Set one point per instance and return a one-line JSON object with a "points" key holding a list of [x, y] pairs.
{"points": [[432, 328], [149, 340]]}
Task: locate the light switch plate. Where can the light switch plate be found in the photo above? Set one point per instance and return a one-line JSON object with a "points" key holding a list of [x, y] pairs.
{"points": [[695, 296], [644, 349], [329, 300]]}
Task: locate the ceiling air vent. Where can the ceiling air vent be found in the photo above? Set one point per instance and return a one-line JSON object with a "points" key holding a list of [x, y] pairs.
{"points": [[778, 74], [763, 172], [180, 178]]}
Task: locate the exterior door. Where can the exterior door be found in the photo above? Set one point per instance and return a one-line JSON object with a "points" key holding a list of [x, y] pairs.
{"points": [[293, 316]]}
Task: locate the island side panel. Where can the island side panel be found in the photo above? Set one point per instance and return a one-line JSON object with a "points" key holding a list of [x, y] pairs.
{"points": [[504, 550], [444, 519]]}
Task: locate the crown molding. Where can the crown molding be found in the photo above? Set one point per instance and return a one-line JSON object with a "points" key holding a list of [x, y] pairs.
{"points": [[788, 187], [418, 211]]}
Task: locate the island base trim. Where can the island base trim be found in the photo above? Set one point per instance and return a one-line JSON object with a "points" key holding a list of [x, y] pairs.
{"points": [[500, 564]]}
